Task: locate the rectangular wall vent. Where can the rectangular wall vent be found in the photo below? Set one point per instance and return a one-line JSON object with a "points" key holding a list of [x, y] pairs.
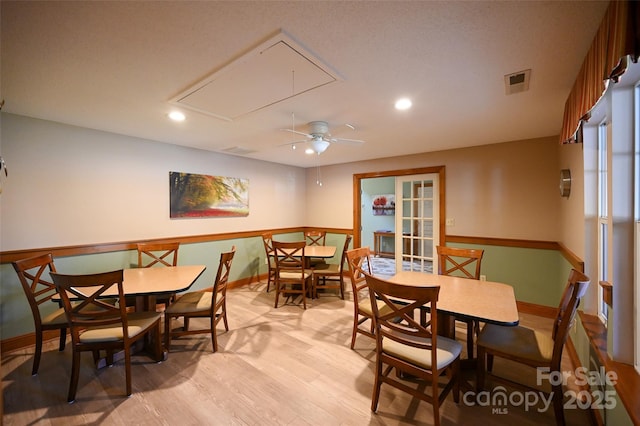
{"points": [[517, 82]]}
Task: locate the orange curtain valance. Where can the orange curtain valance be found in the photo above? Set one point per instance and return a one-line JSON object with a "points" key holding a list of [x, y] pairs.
{"points": [[617, 38]]}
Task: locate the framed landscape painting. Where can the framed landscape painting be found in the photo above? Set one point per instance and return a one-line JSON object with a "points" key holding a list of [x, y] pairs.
{"points": [[198, 196]]}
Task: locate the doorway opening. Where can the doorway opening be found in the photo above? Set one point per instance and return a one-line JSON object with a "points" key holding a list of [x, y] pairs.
{"points": [[386, 240]]}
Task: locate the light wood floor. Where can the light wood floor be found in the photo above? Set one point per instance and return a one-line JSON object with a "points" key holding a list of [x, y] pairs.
{"points": [[282, 366]]}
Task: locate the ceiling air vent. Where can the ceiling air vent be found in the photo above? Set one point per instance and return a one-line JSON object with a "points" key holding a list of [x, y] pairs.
{"points": [[238, 150], [517, 82]]}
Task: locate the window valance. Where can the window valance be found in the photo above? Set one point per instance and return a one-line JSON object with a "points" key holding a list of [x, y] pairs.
{"points": [[617, 39]]}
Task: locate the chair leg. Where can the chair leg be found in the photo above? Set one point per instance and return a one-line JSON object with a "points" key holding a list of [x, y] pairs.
{"points": [[376, 387], [558, 404], [167, 331], [277, 294], [355, 328], [224, 315], [63, 338], [214, 338], [127, 368], [480, 366], [38, 354], [435, 401], [75, 375], [157, 343], [470, 332]]}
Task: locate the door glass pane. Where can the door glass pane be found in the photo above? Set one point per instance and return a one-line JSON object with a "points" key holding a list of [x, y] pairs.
{"points": [[417, 217]]}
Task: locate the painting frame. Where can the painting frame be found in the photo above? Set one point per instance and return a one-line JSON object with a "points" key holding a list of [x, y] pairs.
{"points": [[194, 195]]}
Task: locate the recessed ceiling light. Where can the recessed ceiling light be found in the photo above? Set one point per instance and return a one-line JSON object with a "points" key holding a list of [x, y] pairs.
{"points": [[403, 104], [176, 116]]}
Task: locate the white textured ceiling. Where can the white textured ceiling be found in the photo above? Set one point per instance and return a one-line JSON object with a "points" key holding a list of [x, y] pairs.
{"points": [[116, 66]]}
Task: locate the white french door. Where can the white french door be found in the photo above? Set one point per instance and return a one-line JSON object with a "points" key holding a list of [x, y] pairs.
{"points": [[417, 222]]}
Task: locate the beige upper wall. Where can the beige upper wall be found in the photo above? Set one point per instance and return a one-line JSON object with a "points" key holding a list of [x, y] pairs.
{"points": [[572, 224], [506, 190], [70, 185]]}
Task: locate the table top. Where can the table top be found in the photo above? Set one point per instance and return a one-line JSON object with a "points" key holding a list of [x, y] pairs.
{"points": [[155, 280], [160, 280], [486, 301], [319, 251]]}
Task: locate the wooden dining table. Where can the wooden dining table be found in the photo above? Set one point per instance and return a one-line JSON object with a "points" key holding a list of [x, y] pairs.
{"points": [[485, 301]]}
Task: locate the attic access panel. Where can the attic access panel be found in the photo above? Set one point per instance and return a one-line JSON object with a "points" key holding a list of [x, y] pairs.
{"points": [[276, 70]]}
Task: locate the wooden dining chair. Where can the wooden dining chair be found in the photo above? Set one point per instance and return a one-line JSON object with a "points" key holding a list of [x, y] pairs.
{"points": [[410, 347], [359, 265], [315, 237], [32, 273], [99, 326], [291, 276], [330, 276], [158, 254], [533, 347], [267, 242], [202, 304], [463, 263]]}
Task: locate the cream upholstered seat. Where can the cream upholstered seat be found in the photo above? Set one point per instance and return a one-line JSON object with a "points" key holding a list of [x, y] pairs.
{"points": [[104, 327], [411, 347], [331, 275], [291, 276], [202, 304], [464, 263], [32, 273], [533, 348]]}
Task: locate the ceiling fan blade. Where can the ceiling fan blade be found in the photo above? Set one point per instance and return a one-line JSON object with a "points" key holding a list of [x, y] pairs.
{"points": [[347, 141], [297, 132], [294, 142]]}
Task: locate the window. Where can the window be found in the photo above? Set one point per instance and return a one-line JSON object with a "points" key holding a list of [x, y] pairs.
{"points": [[603, 217]]}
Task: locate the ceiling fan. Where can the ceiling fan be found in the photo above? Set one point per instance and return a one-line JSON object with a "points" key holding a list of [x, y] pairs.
{"points": [[319, 137]]}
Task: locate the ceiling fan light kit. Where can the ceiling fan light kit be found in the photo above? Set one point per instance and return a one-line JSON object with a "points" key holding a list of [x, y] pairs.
{"points": [[319, 137]]}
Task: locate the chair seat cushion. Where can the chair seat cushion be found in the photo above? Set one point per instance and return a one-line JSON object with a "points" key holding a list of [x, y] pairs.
{"points": [[365, 307], [448, 350], [56, 317], [294, 275], [138, 322], [196, 301], [521, 342]]}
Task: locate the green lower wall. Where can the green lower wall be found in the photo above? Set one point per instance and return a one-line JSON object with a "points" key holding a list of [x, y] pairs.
{"points": [[249, 261], [538, 276]]}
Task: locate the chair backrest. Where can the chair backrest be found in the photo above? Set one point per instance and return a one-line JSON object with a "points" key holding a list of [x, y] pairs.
{"points": [[150, 254], [574, 291], [83, 299], [399, 321], [359, 263], [343, 257], [459, 261], [37, 289], [289, 258], [267, 241], [315, 237], [222, 277]]}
